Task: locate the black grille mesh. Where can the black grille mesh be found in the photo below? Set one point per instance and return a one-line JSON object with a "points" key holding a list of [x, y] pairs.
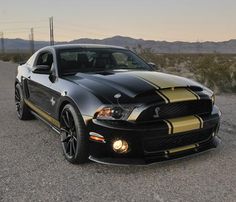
{"points": [[174, 110]]}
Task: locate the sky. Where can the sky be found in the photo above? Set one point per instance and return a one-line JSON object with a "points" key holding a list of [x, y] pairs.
{"points": [[169, 20]]}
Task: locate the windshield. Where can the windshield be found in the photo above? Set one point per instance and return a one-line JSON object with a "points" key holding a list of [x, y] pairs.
{"points": [[72, 61]]}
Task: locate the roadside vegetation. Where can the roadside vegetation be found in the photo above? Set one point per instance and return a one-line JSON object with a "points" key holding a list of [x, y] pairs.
{"points": [[14, 57], [217, 71]]}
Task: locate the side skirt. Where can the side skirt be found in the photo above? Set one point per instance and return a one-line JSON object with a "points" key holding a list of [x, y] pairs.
{"points": [[57, 130]]}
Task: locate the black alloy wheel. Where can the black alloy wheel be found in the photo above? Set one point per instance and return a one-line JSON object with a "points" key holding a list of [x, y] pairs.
{"points": [[73, 135]]}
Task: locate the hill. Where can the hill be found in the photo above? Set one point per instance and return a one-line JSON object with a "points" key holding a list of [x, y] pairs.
{"points": [[225, 47]]}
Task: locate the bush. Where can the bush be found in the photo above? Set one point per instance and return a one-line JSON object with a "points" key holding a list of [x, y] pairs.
{"points": [[14, 57], [217, 71]]}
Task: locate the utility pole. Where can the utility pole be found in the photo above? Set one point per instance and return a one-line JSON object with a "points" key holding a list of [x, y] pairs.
{"points": [[51, 31], [31, 39], [2, 42]]}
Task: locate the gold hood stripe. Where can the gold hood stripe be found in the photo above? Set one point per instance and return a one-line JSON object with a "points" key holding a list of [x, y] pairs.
{"points": [[169, 95], [178, 95], [163, 97], [184, 124], [152, 79], [147, 81]]}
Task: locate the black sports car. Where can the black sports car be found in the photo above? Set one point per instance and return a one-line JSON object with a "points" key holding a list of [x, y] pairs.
{"points": [[110, 106]]}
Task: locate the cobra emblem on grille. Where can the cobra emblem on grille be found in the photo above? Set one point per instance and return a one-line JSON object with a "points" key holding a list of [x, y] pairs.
{"points": [[157, 110]]}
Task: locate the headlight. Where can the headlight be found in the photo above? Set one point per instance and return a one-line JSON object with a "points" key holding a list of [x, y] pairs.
{"points": [[114, 112]]}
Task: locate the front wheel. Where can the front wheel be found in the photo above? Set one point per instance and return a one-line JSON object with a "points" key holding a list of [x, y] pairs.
{"points": [[74, 136]]}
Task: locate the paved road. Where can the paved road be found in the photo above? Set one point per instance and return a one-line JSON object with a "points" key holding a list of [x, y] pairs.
{"points": [[32, 167]]}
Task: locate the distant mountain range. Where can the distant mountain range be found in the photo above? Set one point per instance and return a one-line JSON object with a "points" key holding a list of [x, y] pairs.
{"points": [[13, 45]]}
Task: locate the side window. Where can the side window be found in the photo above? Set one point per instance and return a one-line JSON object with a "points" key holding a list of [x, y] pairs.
{"points": [[45, 58]]}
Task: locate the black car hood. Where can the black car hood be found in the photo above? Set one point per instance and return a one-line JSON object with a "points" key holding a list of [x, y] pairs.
{"points": [[129, 83]]}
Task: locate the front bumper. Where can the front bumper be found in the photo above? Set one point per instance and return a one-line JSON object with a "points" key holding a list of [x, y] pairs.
{"points": [[212, 144], [151, 142]]}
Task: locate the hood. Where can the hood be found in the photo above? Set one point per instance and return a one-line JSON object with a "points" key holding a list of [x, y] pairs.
{"points": [[130, 83]]}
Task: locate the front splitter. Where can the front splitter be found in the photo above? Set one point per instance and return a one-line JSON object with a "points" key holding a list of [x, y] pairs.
{"points": [[148, 160]]}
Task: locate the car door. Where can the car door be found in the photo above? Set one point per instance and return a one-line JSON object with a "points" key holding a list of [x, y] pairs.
{"points": [[41, 89]]}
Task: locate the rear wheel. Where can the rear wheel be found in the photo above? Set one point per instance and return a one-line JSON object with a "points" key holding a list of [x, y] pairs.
{"points": [[73, 135], [22, 109]]}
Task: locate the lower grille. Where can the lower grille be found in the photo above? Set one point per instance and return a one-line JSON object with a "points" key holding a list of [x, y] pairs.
{"points": [[172, 141]]}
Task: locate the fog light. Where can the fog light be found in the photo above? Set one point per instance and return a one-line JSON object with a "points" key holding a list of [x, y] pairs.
{"points": [[120, 146]]}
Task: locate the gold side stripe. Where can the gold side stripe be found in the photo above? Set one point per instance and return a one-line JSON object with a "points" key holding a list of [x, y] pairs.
{"points": [[43, 114], [185, 124], [178, 94], [179, 149]]}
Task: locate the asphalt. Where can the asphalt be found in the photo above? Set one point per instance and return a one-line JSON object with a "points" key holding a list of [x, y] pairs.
{"points": [[32, 167]]}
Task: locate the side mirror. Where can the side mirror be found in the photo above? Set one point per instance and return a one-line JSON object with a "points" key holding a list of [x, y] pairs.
{"points": [[153, 65], [41, 69]]}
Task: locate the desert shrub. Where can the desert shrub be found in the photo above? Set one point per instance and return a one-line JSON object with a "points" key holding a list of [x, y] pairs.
{"points": [[217, 71], [14, 57]]}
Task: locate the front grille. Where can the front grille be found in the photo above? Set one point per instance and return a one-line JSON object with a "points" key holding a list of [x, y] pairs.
{"points": [[178, 109], [173, 141]]}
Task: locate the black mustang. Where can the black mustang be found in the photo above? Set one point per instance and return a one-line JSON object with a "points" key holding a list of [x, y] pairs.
{"points": [[110, 106]]}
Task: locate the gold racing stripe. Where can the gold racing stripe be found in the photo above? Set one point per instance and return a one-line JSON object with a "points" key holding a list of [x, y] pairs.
{"points": [[201, 120], [163, 97], [167, 89], [169, 126], [178, 94], [43, 114], [152, 79], [184, 124], [184, 148], [198, 97], [149, 82]]}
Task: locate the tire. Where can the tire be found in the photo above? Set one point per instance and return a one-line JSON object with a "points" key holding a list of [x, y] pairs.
{"points": [[74, 136], [22, 110]]}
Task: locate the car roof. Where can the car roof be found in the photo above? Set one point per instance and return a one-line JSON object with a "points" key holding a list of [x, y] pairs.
{"points": [[68, 46]]}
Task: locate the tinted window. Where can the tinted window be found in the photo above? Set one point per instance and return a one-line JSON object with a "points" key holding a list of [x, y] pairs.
{"points": [[45, 58], [92, 60]]}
